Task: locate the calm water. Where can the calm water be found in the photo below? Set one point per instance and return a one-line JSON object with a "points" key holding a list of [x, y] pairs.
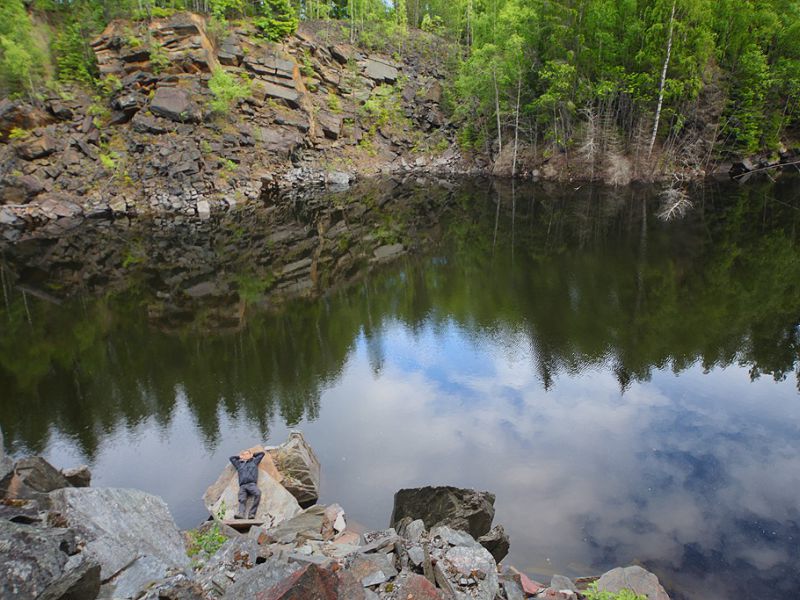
{"points": [[627, 387]]}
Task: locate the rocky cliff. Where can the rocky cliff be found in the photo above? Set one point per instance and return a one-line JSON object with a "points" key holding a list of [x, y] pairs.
{"points": [[190, 122]]}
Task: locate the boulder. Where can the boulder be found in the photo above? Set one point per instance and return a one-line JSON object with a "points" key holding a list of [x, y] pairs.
{"points": [[299, 467], [496, 542], [287, 95], [174, 104], [309, 582], [372, 569], [32, 478], [143, 123], [225, 566], [38, 562], [281, 141], [277, 504], [308, 525], [387, 252], [78, 476], [380, 71], [465, 509], [468, 573], [634, 578], [419, 588], [35, 147], [19, 189], [16, 114], [130, 533], [330, 124], [340, 53], [252, 582], [59, 205]]}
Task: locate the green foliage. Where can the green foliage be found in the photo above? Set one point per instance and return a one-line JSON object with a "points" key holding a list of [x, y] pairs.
{"points": [[227, 89], [334, 103], [593, 594], [278, 21], [307, 67], [18, 133], [22, 62], [205, 542], [159, 59], [75, 60], [109, 161], [252, 287]]}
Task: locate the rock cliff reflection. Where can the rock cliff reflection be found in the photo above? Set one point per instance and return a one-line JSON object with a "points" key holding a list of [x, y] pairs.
{"points": [[627, 387]]}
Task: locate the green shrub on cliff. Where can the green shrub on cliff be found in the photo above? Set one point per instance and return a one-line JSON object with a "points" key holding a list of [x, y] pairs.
{"points": [[226, 89], [22, 62], [278, 21], [594, 594]]}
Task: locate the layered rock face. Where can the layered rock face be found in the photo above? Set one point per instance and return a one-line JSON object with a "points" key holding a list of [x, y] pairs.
{"points": [[313, 110]]}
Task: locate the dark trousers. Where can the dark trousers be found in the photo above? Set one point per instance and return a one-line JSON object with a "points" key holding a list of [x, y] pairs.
{"points": [[249, 490]]}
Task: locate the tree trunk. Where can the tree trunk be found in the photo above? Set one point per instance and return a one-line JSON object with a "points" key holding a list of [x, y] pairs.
{"points": [[516, 126], [663, 79], [497, 111]]}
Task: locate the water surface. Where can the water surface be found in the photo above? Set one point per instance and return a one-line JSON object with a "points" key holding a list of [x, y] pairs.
{"points": [[627, 387]]}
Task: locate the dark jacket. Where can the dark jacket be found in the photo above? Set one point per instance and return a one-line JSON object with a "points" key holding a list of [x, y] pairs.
{"points": [[247, 469]]}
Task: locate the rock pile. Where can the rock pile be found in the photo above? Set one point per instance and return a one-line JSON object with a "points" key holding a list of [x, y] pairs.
{"points": [[63, 542]]}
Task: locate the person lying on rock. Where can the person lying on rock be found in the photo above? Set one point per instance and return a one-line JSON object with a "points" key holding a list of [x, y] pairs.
{"points": [[246, 465]]}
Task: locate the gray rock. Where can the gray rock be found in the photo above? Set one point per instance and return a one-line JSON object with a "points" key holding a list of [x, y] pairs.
{"points": [[118, 526], [276, 506], [305, 526], [32, 478], [19, 189], [330, 124], [174, 104], [452, 536], [372, 569], [37, 147], [496, 542], [388, 252], [235, 555], [414, 531], [299, 466], [78, 476], [280, 141], [143, 123], [473, 566], [635, 578], [465, 509], [251, 582], [143, 572], [560, 583], [380, 71], [203, 209], [380, 541], [340, 53], [35, 562], [289, 95]]}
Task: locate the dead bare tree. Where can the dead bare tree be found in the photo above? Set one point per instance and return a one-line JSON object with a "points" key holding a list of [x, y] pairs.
{"points": [[675, 202]]}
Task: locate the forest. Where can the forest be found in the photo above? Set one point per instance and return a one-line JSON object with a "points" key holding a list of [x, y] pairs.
{"points": [[695, 80]]}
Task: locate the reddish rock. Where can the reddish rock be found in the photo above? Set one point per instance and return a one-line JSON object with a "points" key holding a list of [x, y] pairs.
{"points": [[528, 585], [37, 147], [315, 583], [419, 588]]}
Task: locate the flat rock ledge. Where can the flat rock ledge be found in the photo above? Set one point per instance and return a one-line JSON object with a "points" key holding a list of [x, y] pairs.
{"points": [[59, 541]]}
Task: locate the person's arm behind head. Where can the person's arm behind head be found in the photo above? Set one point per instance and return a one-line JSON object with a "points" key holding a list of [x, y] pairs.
{"points": [[258, 456]]}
